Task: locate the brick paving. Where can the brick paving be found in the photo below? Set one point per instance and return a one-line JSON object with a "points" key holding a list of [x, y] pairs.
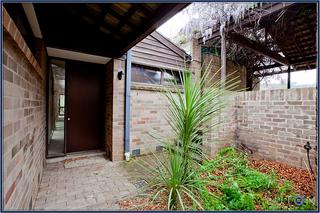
{"points": [[98, 185]]}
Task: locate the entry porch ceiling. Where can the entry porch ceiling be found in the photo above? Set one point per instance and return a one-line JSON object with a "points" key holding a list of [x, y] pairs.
{"points": [[105, 29]]}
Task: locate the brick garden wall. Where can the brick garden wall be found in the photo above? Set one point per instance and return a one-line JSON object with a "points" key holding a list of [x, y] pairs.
{"points": [[224, 128], [148, 106], [225, 133], [276, 124], [24, 132]]}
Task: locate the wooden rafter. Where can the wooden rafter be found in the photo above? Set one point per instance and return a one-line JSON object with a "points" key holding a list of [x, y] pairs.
{"points": [[267, 10], [258, 48], [99, 20], [266, 67], [126, 17], [118, 16], [100, 29]]}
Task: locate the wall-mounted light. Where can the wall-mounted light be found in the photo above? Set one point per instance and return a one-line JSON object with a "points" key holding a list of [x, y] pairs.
{"points": [[120, 73]]}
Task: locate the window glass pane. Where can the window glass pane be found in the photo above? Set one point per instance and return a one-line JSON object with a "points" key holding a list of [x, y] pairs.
{"points": [[145, 75], [169, 76]]}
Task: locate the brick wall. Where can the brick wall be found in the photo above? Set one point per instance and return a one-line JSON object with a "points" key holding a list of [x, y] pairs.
{"points": [[237, 71], [224, 128], [24, 121], [114, 120], [276, 124], [148, 106], [223, 132]]}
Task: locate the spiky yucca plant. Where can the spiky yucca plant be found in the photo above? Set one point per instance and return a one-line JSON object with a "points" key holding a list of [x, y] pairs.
{"points": [[192, 107]]}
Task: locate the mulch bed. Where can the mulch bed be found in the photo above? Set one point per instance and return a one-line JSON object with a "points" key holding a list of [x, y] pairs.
{"points": [[304, 184], [143, 203]]}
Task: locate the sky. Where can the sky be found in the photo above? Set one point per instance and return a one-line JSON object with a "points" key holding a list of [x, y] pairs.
{"points": [[298, 78], [171, 28]]}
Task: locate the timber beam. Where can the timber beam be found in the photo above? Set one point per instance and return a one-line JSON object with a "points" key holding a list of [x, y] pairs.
{"points": [[258, 48], [251, 17]]}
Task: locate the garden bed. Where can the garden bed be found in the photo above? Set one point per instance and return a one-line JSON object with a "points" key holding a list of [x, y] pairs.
{"points": [[236, 182]]}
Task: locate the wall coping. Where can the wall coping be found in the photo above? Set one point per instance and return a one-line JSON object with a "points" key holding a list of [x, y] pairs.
{"points": [[151, 87], [11, 28], [284, 89]]}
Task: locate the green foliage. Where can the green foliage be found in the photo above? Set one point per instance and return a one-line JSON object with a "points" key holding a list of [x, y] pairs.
{"points": [[185, 177], [255, 180], [182, 40], [169, 178], [192, 107], [240, 187], [307, 205]]}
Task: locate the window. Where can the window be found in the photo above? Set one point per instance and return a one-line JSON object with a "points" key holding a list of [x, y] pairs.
{"points": [[151, 75], [146, 75], [171, 76]]}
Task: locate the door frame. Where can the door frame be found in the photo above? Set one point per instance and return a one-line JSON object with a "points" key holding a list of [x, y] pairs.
{"points": [[66, 105]]}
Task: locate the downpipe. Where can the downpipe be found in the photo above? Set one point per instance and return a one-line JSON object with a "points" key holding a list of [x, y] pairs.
{"points": [[127, 113]]}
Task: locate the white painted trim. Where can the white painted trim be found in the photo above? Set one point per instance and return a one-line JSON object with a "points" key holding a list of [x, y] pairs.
{"points": [[72, 55], [32, 19]]}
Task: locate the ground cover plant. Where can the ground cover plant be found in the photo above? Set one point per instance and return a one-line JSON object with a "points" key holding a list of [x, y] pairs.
{"points": [[234, 181], [183, 178], [236, 185]]}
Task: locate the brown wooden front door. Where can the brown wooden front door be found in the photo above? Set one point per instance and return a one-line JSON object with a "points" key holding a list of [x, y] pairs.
{"points": [[84, 106]]}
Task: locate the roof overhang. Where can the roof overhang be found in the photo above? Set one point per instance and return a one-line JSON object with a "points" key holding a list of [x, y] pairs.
{"points": [[104, 29]]}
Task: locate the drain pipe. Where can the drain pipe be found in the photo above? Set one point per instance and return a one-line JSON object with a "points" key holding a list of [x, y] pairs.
{"points": [[127, 107]]}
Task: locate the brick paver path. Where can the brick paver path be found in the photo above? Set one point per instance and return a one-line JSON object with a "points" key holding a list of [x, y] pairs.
{"points": [[98, 185]]}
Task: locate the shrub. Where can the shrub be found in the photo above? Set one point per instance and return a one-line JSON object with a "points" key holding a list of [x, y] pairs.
{"points": [[192, 107]]}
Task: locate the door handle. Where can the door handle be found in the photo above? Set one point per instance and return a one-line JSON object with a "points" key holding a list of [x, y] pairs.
{"points": [[68, 119]]}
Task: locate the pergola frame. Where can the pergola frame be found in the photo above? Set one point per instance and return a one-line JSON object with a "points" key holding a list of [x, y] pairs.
{"points": [[291, 27]]}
